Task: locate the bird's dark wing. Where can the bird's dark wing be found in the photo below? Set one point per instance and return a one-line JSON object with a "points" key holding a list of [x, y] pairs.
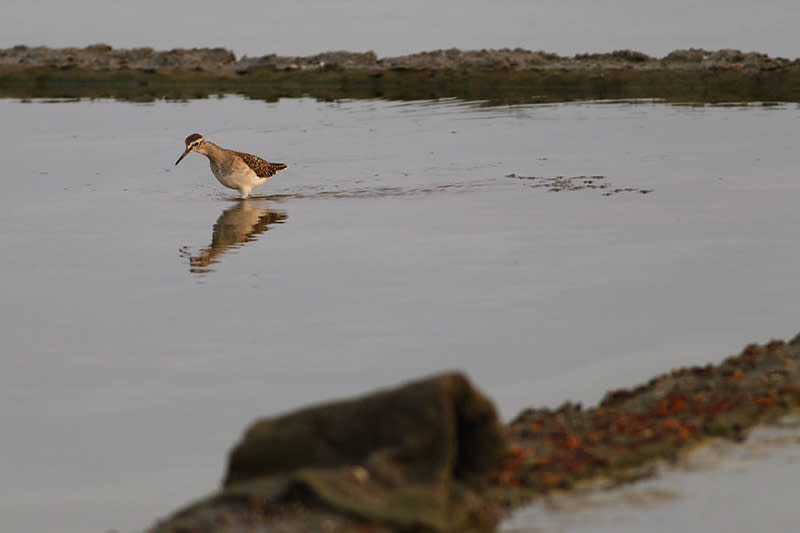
{"points": [[263, 169]]}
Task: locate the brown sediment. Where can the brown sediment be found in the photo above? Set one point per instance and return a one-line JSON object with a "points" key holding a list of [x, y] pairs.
{"points": [[620, 440], [497, 76]]}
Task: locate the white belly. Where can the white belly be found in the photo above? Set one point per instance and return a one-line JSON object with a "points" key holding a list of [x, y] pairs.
{"points": [[237, 177]]}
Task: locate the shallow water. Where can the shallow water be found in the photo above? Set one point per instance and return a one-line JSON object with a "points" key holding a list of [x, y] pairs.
{"points": [[149, 316]]}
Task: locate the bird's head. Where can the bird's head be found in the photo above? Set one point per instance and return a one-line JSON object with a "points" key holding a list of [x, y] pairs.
{"points": [[194, 143]]}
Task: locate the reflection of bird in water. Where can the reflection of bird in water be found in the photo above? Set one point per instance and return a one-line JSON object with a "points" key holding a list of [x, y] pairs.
{"points": [[235, 170], [236, 226]]}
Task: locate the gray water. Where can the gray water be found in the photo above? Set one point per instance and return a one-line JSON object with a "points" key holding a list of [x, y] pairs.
{"points": [[394, 246], [305, 27]]}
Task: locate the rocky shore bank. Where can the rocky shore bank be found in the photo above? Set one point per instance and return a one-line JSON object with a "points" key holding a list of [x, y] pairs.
{"points": [[621, 440], [497, 76], [101, 57]]}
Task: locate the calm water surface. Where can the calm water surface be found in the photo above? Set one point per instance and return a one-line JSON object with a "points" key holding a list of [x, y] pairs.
{"points": [[148, 316]]}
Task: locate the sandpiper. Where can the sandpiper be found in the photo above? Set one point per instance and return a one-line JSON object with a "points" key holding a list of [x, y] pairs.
{"points": [[235, 170]]}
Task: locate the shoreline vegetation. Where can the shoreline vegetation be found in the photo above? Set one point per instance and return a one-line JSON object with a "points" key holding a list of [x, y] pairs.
{"points": [[499, 77]]}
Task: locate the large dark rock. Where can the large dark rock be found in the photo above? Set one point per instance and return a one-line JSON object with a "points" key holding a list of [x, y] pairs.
{"points": [[410, 457]]}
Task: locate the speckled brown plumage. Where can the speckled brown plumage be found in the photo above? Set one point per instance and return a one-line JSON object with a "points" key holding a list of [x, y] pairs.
{"points": [[235, 170], [263, 169]]}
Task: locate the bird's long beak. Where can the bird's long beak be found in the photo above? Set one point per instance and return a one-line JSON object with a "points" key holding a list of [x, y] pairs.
{"points": [[181, 157]]}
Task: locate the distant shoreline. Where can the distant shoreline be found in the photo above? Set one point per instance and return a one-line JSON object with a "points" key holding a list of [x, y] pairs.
{"points": [[101, 57], [498, 76]]}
